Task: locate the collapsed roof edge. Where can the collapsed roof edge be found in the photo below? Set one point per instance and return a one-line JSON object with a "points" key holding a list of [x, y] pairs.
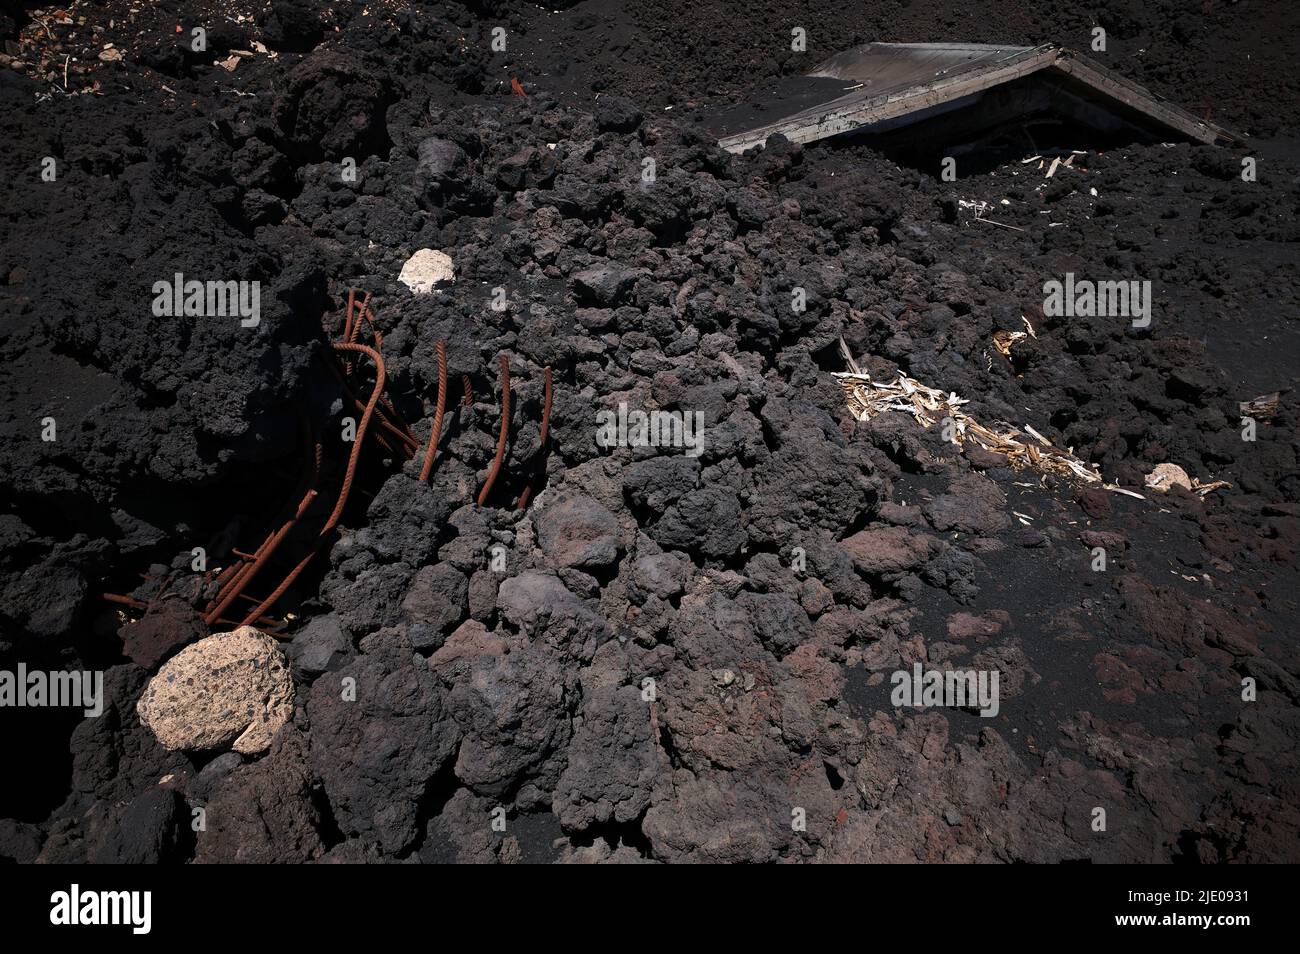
{"points": [[860, 109]]}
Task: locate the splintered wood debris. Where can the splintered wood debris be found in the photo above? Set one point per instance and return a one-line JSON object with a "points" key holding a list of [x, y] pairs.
{"points": [[867, 398], [1003, 340], [1064, 161], [977, 208]]}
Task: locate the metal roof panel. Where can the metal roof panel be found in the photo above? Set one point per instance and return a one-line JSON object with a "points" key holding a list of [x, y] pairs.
{"points": [[882, 84]]}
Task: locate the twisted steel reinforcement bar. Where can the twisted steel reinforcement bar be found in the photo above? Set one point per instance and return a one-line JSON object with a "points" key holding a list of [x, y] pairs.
{"points": [[436, 434], [389, 418], [408, 442], [389, 431], [522, 502], [362, 426], [348, 477], [250, 570], [501, 437], [232, 588]]}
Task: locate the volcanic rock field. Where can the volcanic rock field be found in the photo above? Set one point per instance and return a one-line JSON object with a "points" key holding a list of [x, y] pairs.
{"points": [[516, 508]]}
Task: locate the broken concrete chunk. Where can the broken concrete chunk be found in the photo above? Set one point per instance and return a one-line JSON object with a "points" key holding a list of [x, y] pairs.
{"points": [[426, 270], [232, 689]]}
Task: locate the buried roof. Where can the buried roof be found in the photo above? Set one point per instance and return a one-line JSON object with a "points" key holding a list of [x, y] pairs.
{"points": [[882, 87]]}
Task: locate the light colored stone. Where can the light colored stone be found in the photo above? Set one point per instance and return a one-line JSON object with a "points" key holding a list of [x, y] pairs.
{"points": [[1166, 476], [427, 269], [230, 689]]}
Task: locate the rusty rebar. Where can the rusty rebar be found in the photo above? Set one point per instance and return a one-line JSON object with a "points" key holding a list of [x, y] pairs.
{"points": [[226, 573], [362, 307], [347, 316], [364, 424], [284, 585], [384, 401], [390, 419], [250, 570], [267, 624], [232, 580], [352, 326], [345, 490], [290, 514], [501, 437], [409, 444], [436, 433], [545, 432]]}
